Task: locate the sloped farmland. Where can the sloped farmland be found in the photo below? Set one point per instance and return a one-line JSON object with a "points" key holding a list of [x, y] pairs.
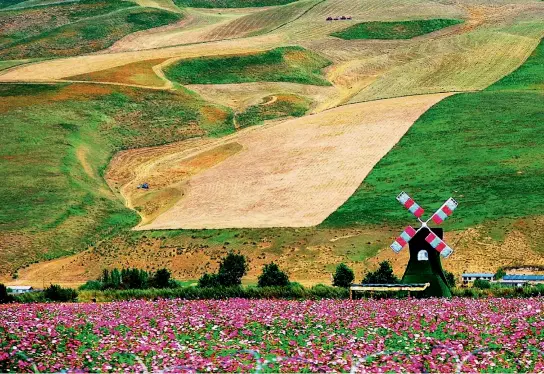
{"points": [[295, 173]]}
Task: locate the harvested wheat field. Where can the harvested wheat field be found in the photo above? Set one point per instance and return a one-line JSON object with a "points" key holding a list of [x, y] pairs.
{"points": [[295, 173]]}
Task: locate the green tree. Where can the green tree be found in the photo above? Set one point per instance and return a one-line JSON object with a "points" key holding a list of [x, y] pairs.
{"points": [[272, 276], [231, 270], [208, 280], [56, 293], [105, 279], [115, 279], [450, 278], [343, 276], [384, 274], [4, 296], [481, 284], [500, 274], [161, 278]]}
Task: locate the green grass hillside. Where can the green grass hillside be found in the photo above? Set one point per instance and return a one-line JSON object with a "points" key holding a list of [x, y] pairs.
{"points": [[230, 3], [484, 148], [272, 107], [88, 35], [25, 23], [57, 141], [529, 76], [286, 64], [394, 30]]}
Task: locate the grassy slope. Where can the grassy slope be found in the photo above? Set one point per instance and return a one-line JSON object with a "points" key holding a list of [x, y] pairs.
{"points": [[284, 106], [394, 30], [88, 35], [484, 148], [57, 142], [7, 3], [529, 76], [286, 64], [229, 3], [26, 23]]}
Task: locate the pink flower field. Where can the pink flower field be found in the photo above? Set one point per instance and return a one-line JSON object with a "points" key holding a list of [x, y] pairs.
{"points": [[410, 335]]}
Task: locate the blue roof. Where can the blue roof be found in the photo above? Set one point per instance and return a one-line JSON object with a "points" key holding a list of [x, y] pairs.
{"points": [[481, 275], [523, 277]]}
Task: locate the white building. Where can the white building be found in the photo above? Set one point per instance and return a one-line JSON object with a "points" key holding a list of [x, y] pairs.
{"points": [[19, 289], [471, 277], [519, 280]]}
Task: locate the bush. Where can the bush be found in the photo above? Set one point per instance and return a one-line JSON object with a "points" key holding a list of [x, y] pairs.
{"points": [[343, 276], [161, 279], [4, 296], [92, 285], [57, 293], [231, 270], [481, 284], [500, 274], [208, 280], [450, 278], [384, 274], [273, 276]]}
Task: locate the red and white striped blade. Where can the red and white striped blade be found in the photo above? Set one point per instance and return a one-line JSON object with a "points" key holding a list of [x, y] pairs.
{"points": [[410, 204], [445, 211], [438, 244], [403, 239]]}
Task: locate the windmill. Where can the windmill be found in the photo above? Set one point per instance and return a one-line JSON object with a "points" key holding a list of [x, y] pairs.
{"points": [[426, 247]]}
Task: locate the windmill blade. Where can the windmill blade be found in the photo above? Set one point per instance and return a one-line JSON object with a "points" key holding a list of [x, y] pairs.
{"points": [[445, 211], [410, 204], [438, 244], [403, 239]]}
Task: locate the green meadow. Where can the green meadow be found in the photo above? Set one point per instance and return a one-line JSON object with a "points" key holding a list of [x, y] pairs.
{"points": [[57, 142], [485, 148], [394, 30], [277, 106], [285, 64], [87, 35]]}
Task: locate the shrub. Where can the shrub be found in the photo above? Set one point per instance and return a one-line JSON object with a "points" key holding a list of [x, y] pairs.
{"points": [[384, 274], [57, 293], [500, 274], [4, 296], [450, 278], [208, 280], [482, 284], [273, 276], [343, 276], [161, 279], [92, 285], [231, 270]]}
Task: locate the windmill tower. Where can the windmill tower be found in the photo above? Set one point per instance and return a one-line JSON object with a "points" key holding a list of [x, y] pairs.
{"points": [[426, 247]]}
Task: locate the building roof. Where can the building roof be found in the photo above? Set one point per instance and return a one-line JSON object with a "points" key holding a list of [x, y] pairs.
{"points": [[523, 277], [19, 287], [481, 275]]}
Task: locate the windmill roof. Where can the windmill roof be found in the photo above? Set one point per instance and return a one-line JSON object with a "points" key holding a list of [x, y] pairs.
{"points": [[523, 277], [478, 275]]}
